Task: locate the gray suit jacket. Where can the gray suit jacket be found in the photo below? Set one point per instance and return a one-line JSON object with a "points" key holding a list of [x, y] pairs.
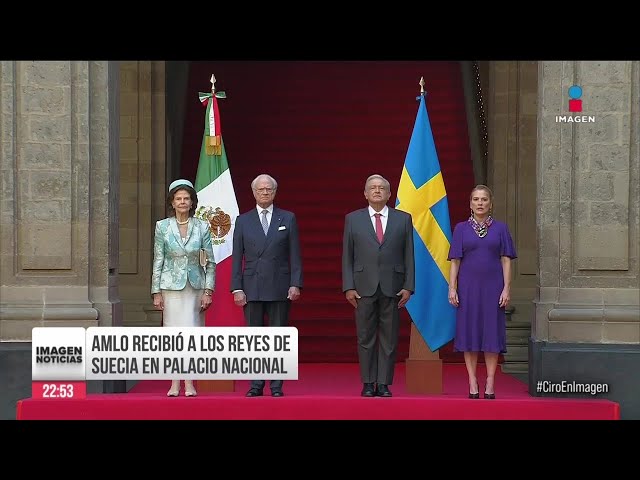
{"points": [[366, 263]]}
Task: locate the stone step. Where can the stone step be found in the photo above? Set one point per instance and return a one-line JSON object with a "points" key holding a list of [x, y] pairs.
{"points": [[520, 317], [516, 340], [517, 325], [515, 367], [517, 352], [518, 332], [515, 359]]}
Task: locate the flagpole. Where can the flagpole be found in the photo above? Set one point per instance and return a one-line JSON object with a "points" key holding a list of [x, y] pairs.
{"points": [[212, 146], [423, 372]]}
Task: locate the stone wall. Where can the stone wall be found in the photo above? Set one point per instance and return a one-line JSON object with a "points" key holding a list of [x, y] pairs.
{"points": [[58, 215], [588, 208], [511, 170], [142, 184]]}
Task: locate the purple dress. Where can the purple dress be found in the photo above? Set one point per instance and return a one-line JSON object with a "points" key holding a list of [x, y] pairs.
{"points": [[480, 322]]}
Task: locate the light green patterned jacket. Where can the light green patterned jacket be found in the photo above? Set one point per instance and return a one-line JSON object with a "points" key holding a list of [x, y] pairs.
{"points": [[174, 262]]}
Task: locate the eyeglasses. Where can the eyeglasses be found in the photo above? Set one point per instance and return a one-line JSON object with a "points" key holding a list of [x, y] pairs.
{"points": [[265, 190]]}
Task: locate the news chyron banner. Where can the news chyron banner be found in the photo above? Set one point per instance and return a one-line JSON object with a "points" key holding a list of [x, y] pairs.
{"points": [[58, 354], [164, 353]]}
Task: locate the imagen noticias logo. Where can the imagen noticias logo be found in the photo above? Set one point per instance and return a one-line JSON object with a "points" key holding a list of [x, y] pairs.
{"points": [[575, 106]]}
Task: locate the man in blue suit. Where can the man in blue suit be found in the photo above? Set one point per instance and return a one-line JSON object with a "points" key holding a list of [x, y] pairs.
{"points": [[266, 238]]}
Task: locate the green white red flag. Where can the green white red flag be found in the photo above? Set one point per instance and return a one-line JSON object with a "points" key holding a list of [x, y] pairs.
{"points": [[217, 204]]}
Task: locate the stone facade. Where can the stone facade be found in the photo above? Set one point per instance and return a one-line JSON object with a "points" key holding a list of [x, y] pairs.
{"points": [[586, 326], [511, 170], [59, 163], [588, 206], [142, 184]]}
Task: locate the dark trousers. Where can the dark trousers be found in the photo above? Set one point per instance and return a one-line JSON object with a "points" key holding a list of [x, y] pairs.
{"points": [[278, 316], [377, 325]]}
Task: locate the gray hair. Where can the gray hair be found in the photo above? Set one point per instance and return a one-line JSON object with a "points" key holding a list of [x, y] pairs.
{"points": [[379, 177], [262, 176]]}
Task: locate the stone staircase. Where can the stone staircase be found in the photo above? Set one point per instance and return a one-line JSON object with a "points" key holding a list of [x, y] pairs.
{"points": [[516, 360]]}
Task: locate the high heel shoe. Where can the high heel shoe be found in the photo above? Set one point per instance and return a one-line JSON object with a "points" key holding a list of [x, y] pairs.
{"points": [[174, 391], [189, 390], [489, 396], [475, 395]]}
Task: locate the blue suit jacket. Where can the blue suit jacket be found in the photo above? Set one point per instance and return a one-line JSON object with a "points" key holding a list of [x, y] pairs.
{"points": [[272, 263], [174, 262]]}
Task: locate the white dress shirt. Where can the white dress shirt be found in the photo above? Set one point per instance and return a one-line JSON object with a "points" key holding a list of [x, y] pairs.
{"points": [[384, 216], [269, 215]]}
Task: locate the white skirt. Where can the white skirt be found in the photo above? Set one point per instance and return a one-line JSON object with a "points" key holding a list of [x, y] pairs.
{"points": [[182, 307]]}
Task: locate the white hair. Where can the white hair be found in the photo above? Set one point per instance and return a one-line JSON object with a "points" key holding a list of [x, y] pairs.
{"points": [[379, 177], [267, 176]]}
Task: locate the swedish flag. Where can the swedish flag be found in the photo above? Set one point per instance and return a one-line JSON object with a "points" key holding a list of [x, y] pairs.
{"points": [[422, 194]]}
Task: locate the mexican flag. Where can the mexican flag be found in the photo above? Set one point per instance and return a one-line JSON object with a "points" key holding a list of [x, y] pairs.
{"points": [[217, 204]]}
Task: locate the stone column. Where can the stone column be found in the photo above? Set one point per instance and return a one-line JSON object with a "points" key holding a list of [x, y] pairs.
{"points": [[587, 315], [511, 176], [142, 184], [58, 218], [511, 169]]}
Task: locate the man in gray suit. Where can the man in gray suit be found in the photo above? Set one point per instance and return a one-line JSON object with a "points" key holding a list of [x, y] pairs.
{"points": [[266, 267], [378, 277]]}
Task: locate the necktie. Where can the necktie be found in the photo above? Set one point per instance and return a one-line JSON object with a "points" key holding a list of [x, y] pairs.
{"points": [[379, 227], [265, 224]]}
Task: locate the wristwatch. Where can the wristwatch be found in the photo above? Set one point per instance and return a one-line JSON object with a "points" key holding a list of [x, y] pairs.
{"points": [[207, 292]]}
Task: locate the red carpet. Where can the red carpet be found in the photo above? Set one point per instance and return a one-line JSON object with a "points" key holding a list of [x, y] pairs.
{"points": [[325, 392]]}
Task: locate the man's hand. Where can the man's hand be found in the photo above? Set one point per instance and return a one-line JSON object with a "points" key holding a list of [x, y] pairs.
{"points": [[352, 297], [404, 295], [158, 301], [294, 293], [240, 299]]}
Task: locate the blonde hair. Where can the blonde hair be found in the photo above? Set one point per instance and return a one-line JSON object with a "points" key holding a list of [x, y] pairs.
{"points": [[482, 187]]}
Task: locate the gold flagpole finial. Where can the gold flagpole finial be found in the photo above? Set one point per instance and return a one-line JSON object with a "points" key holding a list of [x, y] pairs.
{"points": [[213, 142], [421, 85]]}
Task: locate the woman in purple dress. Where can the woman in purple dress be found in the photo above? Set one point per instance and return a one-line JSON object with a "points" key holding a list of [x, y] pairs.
{"points": [[479, 287]]}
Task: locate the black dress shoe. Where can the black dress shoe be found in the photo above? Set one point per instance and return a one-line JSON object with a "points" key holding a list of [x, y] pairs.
{"points": [[383, 391], [277, 393], [490, 396], [368, 390], [254, 392]]}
